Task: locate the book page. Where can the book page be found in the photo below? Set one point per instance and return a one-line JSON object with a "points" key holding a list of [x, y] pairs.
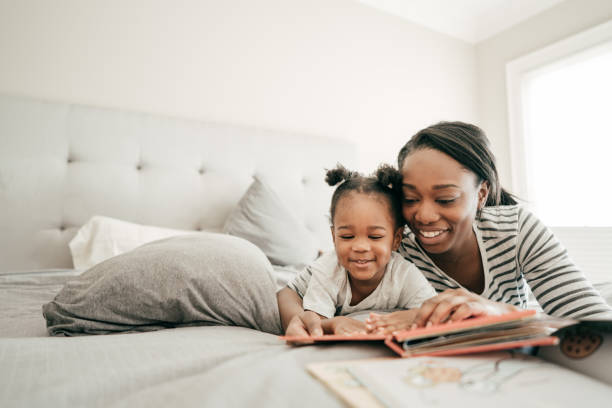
{"points": [[510, 379]]}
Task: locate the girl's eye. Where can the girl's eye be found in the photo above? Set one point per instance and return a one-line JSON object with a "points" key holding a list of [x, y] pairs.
{"points": [[445, 201], [376, 237], [347, 236]]}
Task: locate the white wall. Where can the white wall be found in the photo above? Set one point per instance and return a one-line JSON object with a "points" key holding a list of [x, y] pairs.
{"points": [[331, 67], [555, 24]]}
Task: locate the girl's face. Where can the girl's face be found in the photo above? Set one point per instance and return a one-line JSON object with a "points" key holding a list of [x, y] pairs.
{"points": [[364, 235], [441, 199]]}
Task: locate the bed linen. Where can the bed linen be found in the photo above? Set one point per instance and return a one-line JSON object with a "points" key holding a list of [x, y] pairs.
{"points": [[189, 366]]}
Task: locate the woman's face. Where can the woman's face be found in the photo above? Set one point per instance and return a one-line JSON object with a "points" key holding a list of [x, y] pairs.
{"points": [[440, 201]]}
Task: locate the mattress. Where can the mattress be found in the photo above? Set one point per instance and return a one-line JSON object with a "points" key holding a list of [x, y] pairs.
{"points": [[189, 366]]}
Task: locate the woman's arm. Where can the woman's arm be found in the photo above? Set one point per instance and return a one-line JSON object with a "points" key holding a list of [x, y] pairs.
{"points": [[558, 284]]}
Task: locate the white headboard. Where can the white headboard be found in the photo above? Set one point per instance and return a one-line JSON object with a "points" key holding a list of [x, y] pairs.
{"points": [[60, 164]]}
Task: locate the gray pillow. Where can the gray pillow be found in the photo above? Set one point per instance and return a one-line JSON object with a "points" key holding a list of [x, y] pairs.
{"points": [[262, 218], [205, 279]]}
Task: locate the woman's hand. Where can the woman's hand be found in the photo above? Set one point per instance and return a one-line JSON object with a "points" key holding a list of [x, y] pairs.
{"points": [[343, 325], [392, 322], [457, 304]]}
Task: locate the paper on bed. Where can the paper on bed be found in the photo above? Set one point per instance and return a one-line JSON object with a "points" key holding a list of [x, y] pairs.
{"points": [[510, 379]]}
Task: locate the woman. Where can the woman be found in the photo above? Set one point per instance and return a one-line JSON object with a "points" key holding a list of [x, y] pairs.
{"points": [[481, 251]]}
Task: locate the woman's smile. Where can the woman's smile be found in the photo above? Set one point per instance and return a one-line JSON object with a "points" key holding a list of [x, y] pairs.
{"points": [[432, 236]]}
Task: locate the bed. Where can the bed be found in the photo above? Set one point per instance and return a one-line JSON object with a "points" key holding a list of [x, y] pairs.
{"points": [[61, 165], [235, 212]]}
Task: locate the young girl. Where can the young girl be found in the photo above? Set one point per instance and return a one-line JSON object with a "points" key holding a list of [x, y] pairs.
{"points": [[364, 272]]}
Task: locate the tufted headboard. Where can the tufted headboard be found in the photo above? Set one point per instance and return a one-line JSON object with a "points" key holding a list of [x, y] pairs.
{"points": [[60, 164]]}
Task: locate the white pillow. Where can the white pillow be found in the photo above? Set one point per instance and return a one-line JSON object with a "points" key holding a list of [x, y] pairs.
{"points": [[102, 238], [262, 218]]}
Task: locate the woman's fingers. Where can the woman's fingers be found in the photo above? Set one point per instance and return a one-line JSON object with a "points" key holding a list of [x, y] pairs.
{"points": [[429, 307], [468, 309], [455, 305], [443, 310], [441, 307]]}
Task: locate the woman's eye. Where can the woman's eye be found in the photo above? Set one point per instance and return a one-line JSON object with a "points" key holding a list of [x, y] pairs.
{"points": [[410, 200], [445, 201]]}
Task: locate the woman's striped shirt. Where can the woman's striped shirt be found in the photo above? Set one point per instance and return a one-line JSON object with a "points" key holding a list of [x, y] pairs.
{"points": [[519, 253]]}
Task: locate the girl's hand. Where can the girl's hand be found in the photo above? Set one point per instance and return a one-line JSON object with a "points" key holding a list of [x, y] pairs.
{"points": [[392, 322], [457, 304], [343, 325], [306, 323]]}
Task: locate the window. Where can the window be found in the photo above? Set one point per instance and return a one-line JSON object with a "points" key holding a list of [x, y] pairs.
{"points": [[567, 123], [560, 104], [560, 123]]}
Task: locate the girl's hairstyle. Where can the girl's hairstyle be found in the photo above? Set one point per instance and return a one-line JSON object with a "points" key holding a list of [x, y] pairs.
{"points": [[385, 182], [468, 145]]}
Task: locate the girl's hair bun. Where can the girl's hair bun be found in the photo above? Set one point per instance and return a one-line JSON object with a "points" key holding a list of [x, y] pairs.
{"points": [[338, 175], [389, 176], [386, 182]]}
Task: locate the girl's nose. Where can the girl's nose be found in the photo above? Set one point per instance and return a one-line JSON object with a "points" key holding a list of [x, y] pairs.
{"points": [[360, 245], [426, 213]]}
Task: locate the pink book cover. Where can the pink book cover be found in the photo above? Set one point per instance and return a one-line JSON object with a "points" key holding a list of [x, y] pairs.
{"points": [[475, 335], [473, 323]]}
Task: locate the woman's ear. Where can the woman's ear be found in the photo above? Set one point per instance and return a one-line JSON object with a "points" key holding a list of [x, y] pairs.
{"points": [[397, 238], [483, 194], [331, 228]]}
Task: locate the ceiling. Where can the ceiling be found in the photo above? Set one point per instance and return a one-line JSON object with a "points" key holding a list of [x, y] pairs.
{"points": [[469, 20]]}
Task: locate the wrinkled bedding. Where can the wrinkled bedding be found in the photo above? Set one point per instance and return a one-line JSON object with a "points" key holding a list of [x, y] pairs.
{"points": [[189, 366]]}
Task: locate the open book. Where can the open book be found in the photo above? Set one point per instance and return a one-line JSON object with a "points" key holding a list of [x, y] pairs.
{"points": [[487, 333]]}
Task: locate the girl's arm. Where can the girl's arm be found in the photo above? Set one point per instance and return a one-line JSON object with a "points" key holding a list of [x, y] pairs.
{"points": [[299, 322], [295, 320], [289, 305]]}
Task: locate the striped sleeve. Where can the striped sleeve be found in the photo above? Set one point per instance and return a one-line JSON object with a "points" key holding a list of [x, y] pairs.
{"points": [[559, 286]]}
